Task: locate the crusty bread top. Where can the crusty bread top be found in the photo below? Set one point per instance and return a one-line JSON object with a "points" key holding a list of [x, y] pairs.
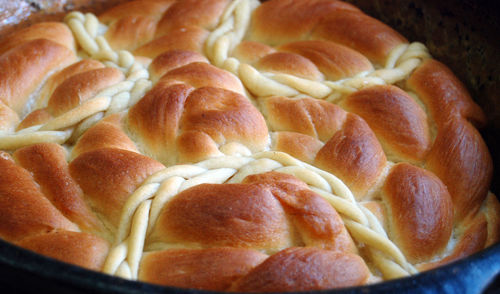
{"points": [[26, 66], [238, 146], [25, 211]]}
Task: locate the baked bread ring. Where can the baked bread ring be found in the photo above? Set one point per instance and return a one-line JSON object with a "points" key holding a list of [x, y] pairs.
{"points": [[239, 146]]}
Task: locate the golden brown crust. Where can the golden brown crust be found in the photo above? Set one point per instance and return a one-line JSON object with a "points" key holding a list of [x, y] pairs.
{"points": [[201, 74], [381, 107], [194, 146], [182, 124], [226, 117], [461, 160], [289, 63], [354, 155], [360, 32], [155, 119], [317, 222], [193, 111], [213, 269], [82, 249], [305, 269], [421, 211], [443, 94], [47, 163], [302, 147], [269, 212], [316, 118], [173, 59], [190, 38], [250, 52], [24, 210], [147, 8], [26, 66], [54, 31], [204, 14], [105, 134], [130, 32], [56, 79], [108, 176], [333, 60], [493, 217], [235, 215], [277, 22], [80, 87], [36, 117]]}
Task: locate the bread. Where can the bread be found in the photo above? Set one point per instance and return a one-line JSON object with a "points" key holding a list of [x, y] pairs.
{"points": [[239, 146]]}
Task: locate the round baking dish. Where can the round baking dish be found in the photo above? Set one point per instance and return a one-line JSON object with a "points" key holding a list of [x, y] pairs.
{"points": [[462, 34]]}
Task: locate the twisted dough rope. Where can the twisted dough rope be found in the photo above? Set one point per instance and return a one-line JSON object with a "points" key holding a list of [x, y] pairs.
{"points": [[400, 63], [230, 31], [143, 207], [116, 98]]}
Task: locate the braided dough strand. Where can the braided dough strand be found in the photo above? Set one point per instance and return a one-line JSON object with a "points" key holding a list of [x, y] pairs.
{"points": [[401, 62], [160, 187], [72, 124]]}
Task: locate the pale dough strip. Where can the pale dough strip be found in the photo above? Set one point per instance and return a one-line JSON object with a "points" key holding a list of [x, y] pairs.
{"points": [[72, 124], [160, 187]]}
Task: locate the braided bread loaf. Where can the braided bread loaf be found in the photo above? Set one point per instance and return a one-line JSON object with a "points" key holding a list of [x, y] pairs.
{"points": [[238, 146]]}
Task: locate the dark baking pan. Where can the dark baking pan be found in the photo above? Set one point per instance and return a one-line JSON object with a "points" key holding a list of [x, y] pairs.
{"points": [[23, 271], [463, 34]]}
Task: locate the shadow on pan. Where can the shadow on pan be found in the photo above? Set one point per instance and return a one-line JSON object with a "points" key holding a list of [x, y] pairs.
{"points": [[22, 271], [462, 34]]}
